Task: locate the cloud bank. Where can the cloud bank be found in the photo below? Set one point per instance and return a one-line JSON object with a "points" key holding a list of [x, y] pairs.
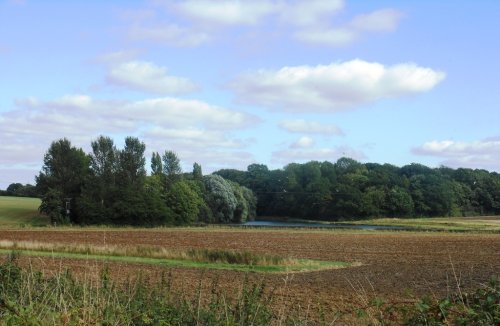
{"points": [[194, 129], [311, 21], [477, 154]]}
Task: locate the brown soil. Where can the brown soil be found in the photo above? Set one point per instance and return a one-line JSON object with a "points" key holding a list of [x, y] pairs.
{"points": [[394, 265]]}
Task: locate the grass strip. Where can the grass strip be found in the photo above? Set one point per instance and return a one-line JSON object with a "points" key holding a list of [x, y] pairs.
{"points": [[304, 265], [449, 224]]}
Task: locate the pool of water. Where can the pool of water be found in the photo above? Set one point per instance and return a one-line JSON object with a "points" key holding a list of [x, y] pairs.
{"points": [[278, 224]]}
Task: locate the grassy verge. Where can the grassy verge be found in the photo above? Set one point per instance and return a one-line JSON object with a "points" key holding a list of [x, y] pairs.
{"points": [[456, 224], [214, 259], [20, 211]]}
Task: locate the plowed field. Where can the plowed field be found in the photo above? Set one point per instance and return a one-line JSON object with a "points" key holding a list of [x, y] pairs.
{"points": [[394, 265]]}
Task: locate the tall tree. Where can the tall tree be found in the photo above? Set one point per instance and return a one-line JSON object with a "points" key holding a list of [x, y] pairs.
{"points": [[64, 171], [197, 174], [99, 191], [131, 162], [171, 168], [156, 165]]}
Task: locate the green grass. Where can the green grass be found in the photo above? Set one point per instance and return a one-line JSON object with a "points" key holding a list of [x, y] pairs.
{"points": [[192, 258], [457, 224], [303, 265], [20, 211]]}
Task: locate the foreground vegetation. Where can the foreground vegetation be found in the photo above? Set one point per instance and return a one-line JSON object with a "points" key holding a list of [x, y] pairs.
{"points": [[27, 297]]}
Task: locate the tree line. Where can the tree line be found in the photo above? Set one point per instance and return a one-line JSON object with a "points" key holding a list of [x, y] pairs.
{"points": [[348, 189], [20, 190], [111, 186]]}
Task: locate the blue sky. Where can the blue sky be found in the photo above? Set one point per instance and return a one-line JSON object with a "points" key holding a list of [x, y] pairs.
{"points": [[228, 83]]}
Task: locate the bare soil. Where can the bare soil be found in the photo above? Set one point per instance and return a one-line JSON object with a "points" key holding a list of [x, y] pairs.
{"points": [[395, 266]]}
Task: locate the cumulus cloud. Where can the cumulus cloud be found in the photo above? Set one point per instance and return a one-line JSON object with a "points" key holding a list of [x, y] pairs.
{"points": [[477, 154], [333, 87], [321, 154], [310, 127], [148, 77], [303, 142]]}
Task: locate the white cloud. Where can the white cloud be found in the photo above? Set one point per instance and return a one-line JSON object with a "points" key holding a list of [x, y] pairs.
{"points": [[322, 154], [334, 37], [168, 34], [303, 142], [311, 127], [227, 12], [311, 12], [117, 57], [333, 87], [187, 126], [477, 154], [148, 77], [193, 22], [384, 20]]}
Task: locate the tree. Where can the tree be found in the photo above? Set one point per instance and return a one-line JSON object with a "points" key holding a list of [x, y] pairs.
{"points": [[171, 168], [197, 174], [100, 188], [61, 179], [184, 201], [156, 164], [220, 198], [131, 163]]}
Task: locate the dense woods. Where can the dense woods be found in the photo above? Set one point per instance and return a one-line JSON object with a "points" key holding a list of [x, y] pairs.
{"points": [[348, 189], [111, 186]]}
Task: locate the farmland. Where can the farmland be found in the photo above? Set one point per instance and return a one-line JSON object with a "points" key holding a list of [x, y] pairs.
{"points": [[16, 211], [394, 266]]}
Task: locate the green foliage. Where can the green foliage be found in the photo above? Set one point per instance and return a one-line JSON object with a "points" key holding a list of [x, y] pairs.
{"points": [[29, 298], [184, 201], [220, 198], [131, 170], [62, 177], [156, 164], [479, 308], [350, 190], [20, 190], [197, 174], [171, 168]]}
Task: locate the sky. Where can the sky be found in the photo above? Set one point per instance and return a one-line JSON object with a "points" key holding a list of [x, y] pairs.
{"points": [[228, 83]]}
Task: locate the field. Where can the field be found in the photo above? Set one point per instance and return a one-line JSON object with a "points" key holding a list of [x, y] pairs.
{"points": [[395, 266], [18, 211], [457, 224], [344, 269]]}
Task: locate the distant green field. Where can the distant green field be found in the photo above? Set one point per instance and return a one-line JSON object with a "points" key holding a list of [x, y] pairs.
{"points": [[459, 224], [17, 211]]}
